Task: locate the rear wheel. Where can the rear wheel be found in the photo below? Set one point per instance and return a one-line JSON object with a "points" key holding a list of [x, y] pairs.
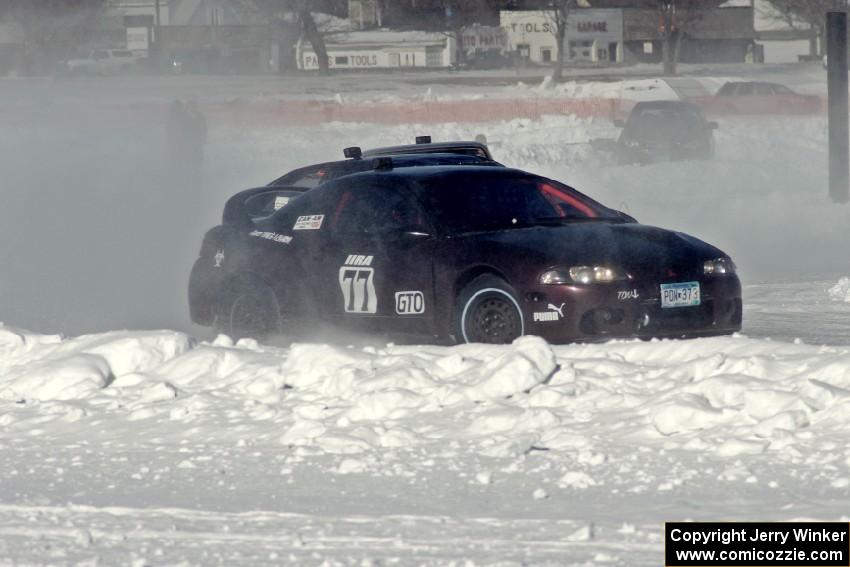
{"points": [[249, 309], [487, 311]]}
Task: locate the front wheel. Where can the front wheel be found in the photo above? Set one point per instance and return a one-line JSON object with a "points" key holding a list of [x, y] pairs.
{"points": [[248, 309], [487, 311]]}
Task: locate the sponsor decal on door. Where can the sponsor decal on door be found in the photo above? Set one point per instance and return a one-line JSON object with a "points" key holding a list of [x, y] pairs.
{"points": [[409, 302], [357, 283], [308, 222]]}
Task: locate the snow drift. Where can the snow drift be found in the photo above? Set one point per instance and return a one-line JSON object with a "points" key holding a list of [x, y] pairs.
{"points": [[724, 396]]}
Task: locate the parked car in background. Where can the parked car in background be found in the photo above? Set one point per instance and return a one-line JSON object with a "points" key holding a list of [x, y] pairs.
{"points": [[756, 97], [103, 62], [664, 130], [487, 60]]}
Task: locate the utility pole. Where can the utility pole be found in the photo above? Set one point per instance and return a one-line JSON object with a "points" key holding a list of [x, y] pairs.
{"points": [[839, 137], [154, 49]]}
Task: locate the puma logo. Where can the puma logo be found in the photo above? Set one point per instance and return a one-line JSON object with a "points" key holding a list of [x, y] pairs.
{"points": [[559, 310]]}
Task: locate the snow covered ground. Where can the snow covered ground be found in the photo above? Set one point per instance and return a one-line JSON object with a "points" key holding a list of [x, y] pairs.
{"points": [[148, 447], [152, 447]]}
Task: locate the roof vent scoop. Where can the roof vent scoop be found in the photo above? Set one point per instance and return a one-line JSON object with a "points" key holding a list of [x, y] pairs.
{"points": [[353, 152], [423, 139]]}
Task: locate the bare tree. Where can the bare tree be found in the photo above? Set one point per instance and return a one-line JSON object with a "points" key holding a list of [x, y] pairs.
{"points": [[316, 39], [558, 15], [810, 14], [310, 30], [677, 18]]}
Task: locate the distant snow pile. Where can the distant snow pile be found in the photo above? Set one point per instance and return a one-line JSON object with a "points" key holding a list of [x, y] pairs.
{"points": [[629, 89], [841, 290], [728, 396]]}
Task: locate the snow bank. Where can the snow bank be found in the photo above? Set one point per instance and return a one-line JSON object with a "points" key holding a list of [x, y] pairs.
{"points": [[729, 396], [840, 291]]}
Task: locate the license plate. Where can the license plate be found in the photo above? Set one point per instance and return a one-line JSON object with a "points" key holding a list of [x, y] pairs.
{"points": [[685, 294]]}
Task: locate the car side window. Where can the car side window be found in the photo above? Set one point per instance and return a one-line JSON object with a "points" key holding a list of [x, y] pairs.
{"points": [[307, 178], [764, 90], [745, 89], [374, 208], [727, 90]]}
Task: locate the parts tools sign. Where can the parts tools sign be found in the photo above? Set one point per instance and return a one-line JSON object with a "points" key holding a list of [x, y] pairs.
{"points": [[756, 544]]}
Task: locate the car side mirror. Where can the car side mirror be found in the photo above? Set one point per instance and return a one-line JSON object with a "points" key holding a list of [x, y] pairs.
{"points": [[713, 125], [619, 123]]}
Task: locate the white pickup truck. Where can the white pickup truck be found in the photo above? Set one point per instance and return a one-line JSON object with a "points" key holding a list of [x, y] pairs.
{"points": [[103, 62]]}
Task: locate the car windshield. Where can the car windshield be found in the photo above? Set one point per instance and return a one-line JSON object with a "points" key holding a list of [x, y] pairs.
{"points": [[664, 124], [482, 202]]}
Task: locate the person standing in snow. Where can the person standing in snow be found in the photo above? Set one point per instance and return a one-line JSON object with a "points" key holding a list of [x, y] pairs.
{"points": [[186, 130], [196, 127]]}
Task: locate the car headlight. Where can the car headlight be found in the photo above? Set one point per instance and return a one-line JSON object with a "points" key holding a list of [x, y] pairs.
{"points": [[580, 274], [719, 267]]}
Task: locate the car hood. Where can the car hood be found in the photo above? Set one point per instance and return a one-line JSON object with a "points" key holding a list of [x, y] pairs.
{"points": [[640, 250]]}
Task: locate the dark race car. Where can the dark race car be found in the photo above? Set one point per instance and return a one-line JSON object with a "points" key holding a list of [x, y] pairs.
{"points": [[460, 254], [665, 130]]}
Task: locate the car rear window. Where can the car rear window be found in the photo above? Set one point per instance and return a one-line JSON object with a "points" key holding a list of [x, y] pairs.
{"points": [[728, 89], [483, 202], [660, 124]]}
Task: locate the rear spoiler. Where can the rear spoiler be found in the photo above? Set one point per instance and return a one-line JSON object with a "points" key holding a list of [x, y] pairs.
{"points": [[467, 148], [245, 206]]}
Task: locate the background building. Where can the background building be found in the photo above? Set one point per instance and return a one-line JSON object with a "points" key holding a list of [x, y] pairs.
{"points": [[206, 36], [630, 35], [721, 35], [382, 49], [780, 41], [592, 36]]}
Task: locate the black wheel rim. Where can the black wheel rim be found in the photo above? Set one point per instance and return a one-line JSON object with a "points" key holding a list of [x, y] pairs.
{"points": [[249, 316], [493, 319]]}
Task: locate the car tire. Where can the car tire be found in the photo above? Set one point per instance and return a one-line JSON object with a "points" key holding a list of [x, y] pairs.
{"points": [[487, 311], [248, 310]]}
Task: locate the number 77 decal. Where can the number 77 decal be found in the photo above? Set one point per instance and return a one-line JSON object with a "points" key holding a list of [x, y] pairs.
{"points": [[358, 289]]}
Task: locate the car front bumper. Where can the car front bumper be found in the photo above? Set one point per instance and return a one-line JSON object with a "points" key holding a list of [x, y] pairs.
{"points": [[567, 313]]}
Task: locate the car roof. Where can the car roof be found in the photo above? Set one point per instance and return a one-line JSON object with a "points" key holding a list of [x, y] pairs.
{"points": [[666, 104], [346, 167], [429, 171]]}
